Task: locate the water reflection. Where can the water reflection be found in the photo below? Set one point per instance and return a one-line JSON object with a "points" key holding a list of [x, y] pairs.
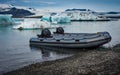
{"points": [[53, 51]]}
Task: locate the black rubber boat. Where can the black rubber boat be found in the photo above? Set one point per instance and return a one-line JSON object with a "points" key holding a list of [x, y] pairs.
{"points": [[70, 40]]}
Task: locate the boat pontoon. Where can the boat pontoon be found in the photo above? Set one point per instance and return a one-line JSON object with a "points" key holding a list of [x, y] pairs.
{"points": [[70, 40]]}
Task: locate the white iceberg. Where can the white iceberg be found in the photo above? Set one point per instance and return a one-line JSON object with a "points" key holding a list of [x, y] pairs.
{"points": [[29, 24], [81, 15]]}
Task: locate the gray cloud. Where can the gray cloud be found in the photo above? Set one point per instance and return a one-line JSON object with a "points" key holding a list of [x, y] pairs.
{"points": [[42, 2]]}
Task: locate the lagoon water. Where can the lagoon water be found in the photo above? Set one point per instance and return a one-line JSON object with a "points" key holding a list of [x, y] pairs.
{"points": [[15, 51]]}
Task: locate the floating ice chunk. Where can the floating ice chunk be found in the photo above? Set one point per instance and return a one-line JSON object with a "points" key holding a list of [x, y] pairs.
{"points": [[59, 18], [6, 20], [46, 18], [82, 15], [32, 24]]}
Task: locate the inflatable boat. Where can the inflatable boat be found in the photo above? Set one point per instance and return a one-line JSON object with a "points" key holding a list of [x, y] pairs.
{"points": [[70, 40]]}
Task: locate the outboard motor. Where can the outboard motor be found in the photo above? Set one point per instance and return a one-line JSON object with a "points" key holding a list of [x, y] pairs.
{"points": [[60, 30], [46, 33]]}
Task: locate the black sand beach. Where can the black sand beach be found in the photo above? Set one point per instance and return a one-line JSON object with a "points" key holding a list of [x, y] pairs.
{"points": [[91, 62]]}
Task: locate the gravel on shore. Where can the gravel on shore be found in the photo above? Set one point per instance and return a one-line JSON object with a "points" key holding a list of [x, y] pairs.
{"points": [[91, 62]]}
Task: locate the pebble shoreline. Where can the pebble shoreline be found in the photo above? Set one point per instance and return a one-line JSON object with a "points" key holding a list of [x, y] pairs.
{"points": [[91, 62]]}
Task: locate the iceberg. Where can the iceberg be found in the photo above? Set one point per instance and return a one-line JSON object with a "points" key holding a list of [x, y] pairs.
{"points": [[83, 15], [46, 18], [6, 19], [29, 24], [58, 18]]}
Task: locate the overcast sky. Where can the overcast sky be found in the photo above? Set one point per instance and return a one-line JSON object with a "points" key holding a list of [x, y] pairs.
{"points": [[97, 5]]}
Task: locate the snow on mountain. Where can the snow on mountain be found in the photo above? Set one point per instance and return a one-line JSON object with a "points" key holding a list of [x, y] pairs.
{"points": [[9, 6], [4, 6], [16, 11]]}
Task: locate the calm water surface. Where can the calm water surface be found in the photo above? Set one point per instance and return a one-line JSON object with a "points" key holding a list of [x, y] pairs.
{"points": [[15, 51]]}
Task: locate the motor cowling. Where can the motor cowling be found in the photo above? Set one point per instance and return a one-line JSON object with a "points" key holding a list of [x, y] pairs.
{"points": [[60, 30], [46, 33]]}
